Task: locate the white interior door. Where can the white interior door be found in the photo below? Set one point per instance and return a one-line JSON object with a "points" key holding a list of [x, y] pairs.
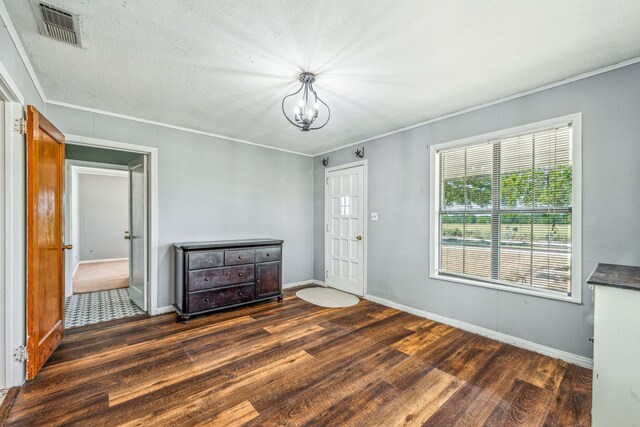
{"points": [[138, 231], [345, 229]]}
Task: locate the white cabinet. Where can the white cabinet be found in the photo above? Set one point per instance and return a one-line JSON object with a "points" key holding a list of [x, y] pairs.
{"points": [[616, 354]]}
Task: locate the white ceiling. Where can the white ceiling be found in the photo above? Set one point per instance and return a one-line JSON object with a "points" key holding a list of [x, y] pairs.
{"points": [[223, 66]]}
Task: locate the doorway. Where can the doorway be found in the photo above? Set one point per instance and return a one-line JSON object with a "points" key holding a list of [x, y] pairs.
{"points": [[106, 223], [345, 227]]}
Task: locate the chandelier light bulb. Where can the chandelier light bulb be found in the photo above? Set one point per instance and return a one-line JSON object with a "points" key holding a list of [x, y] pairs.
{"points": [[307, 108]]}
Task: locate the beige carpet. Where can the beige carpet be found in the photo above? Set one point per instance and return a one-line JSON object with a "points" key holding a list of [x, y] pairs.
{"points": [[101, 276]]}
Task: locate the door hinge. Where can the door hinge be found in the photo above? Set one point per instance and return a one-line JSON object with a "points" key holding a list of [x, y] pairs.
{"points": [[327, 227], [20, 354], [327, 273], [327, 181], [20, 126]]}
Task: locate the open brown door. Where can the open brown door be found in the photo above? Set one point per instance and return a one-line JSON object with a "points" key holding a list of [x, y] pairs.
{"points": [[45, 244]]}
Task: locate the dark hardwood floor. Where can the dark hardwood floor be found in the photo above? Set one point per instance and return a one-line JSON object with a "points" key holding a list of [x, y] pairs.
{"points": [[294, 363]]}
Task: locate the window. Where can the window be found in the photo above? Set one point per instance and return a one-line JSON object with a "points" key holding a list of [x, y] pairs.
{"points": [[504, 210]]}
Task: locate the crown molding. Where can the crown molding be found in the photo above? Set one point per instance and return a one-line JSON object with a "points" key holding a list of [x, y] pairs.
{"points": [[4, 15], [491, 103], [170, 126]]}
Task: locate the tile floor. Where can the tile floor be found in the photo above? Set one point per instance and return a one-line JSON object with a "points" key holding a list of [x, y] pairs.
{"points": [[95, 307]]}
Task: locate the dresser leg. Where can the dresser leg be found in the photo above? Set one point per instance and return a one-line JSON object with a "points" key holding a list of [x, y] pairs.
{"points": [[280, 298], [184, 318]]}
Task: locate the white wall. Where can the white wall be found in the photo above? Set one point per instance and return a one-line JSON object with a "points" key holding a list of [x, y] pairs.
{"points": [[104, 208]]}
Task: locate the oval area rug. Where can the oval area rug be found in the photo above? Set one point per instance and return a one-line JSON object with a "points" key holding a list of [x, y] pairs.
{"points": [[327, 297]]}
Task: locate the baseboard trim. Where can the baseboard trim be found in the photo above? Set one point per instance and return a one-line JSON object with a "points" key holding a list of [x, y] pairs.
{"points": [[302, 283], [166, 309], [93, 261], [498, 336]]}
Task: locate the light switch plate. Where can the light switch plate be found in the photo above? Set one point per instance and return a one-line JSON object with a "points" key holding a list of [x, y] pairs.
{"points": [[374, 216]]}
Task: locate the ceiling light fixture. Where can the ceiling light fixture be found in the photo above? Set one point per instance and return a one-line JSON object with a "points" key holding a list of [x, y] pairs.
{"points": [[305, 112]]}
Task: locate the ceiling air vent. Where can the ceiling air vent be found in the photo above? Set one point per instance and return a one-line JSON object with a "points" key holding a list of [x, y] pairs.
{"points": [[57, 23]]}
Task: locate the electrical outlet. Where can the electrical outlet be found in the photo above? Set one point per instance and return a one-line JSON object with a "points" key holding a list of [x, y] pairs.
{"points": [[374, 216]]}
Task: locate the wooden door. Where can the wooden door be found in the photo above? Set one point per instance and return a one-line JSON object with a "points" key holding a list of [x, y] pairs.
{"points": [[344, 244], [45, 244], [267, 279]]}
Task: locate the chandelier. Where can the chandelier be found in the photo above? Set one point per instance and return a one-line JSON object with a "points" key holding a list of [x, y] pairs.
{"points": [[306, 111]]}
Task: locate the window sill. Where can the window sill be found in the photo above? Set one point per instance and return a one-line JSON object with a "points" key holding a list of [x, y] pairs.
{"points": [[514, 289]]}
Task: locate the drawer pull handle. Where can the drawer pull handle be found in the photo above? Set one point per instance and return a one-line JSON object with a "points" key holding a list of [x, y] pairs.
{"points": [[240, 257], [267, 254], [240, 274], [206, 300], [239, 293], [206, 279]]}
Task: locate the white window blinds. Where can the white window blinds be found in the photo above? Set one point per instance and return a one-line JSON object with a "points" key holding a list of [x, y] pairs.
{"points": [[505, 210]]}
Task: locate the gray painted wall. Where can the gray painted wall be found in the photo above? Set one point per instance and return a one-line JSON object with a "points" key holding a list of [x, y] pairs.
{"points": [[14, 65], [211, 189], [16, 335], [398, 243], [99, 155], [104, 216]]}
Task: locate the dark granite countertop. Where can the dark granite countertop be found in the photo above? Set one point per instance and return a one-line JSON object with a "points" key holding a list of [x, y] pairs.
{"points": [[227, 243], [617, 276]]}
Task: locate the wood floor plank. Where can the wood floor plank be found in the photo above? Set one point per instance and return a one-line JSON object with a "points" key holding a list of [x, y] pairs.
{"points": [[237, 415], [422, 338], [294, 363], [130, 388], [416, 406], [356, 408], [524, 405], [172, 398], [545, 372], [469, 357], [474, 402], [572, 403]]}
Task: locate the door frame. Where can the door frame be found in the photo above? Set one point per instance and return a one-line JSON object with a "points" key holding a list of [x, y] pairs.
{"points": [[13, 222], [365, 191], [152, 155], [73, 168]]}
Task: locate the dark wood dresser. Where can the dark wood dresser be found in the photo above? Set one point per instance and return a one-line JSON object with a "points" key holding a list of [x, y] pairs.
{"points": [[211, 276]]}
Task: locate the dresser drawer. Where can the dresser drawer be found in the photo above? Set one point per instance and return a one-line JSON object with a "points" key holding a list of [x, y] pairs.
{"points": [[273, 253], [201, 301], [207, 259], [217, 277], [239, 256]]}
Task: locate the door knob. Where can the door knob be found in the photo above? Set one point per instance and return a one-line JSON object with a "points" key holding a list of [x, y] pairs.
{"points": [[68, 247], [127, 237], [359, 237]]}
